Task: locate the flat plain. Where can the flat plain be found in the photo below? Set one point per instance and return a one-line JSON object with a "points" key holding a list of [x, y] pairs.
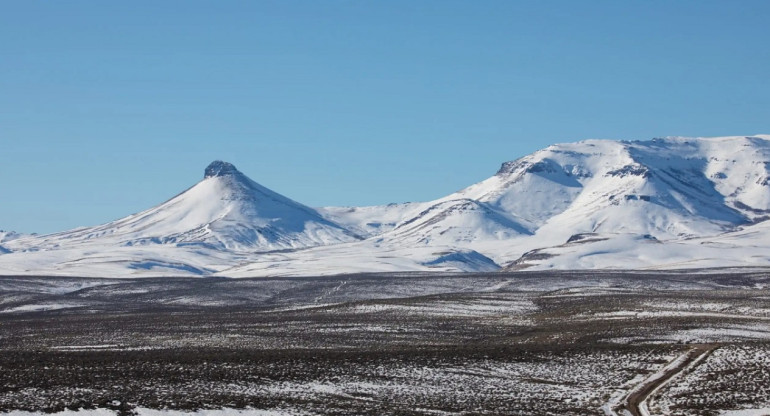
{"points": [[524, 343]]}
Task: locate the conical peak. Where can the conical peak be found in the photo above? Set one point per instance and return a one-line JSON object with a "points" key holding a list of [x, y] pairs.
{"points": [[220, 168]]}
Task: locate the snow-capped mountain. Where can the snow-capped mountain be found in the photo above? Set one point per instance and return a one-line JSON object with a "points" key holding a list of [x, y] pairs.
{"points": [[663, 190], [225, 211], [201, 230], [670, 203], [669, 188]]}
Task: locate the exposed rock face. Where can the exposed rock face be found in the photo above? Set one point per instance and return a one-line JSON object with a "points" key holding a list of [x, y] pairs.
{"points": [[631, 170], [220, 168]]}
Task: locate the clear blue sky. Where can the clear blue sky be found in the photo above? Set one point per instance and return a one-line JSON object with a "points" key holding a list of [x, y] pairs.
{"points": [[108, 107]]}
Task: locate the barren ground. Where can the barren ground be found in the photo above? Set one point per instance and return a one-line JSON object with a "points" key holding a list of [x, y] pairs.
{"points": [[408, 344]]}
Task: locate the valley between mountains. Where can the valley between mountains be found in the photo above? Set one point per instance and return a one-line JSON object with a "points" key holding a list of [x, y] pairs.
{"points": [[667, 203]]}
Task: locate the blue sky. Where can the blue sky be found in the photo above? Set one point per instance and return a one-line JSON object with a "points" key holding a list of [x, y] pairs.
{"points": [[108, 108]]}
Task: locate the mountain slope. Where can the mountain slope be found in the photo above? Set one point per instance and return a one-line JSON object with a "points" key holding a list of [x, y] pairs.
{"points": [[745, 247], [456, 221], [7, 236], [370, 221]]}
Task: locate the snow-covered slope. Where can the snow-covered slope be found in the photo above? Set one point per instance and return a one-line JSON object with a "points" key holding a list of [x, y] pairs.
{"points": [[6, 236], [372, 220], [457, 221], [671, 202], [9, 235], [670, 188], [746, 247]]}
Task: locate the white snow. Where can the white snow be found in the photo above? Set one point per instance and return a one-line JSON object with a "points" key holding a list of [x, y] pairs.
{"points": [[40, 307]]}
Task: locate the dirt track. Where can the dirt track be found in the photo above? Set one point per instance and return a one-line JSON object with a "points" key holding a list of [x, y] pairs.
{"points": [[635, 399]]}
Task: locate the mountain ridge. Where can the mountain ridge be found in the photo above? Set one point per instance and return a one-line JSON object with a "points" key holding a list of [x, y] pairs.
{"points": [[633, 196]]}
